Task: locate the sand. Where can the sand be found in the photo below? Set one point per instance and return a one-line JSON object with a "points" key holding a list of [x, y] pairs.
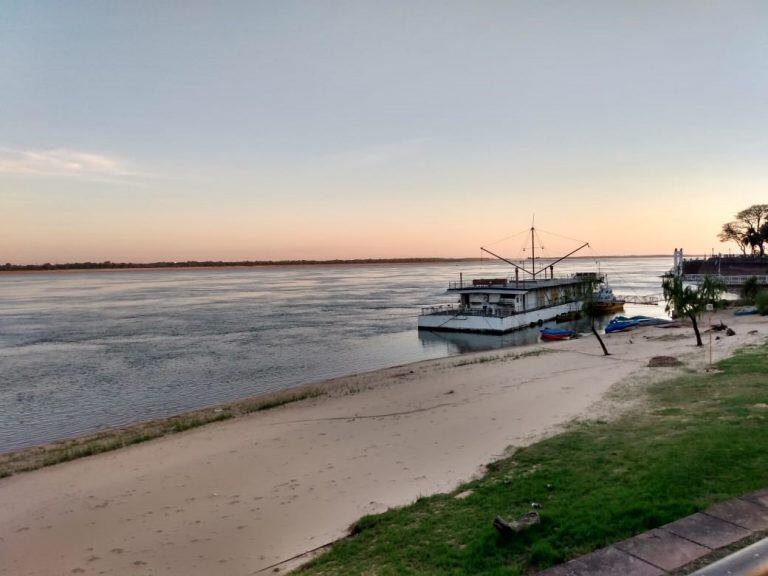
{"points": [[240, 496]]}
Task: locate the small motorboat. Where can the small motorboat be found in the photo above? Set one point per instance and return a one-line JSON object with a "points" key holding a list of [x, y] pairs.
{"points": [[621, 325], [643, 320], [553, 334], [746, 311]]}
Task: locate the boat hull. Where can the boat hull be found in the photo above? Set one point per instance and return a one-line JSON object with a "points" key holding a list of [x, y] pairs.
{"points": [[493, 324], [608, 307], [554, 334]]}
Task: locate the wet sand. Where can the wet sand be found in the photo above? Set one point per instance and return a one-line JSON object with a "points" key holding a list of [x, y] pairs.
{"points": [[239, 496]]}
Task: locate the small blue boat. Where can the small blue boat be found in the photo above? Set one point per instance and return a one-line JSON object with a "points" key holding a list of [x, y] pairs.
{"points": [[621, 325], [748, 310], [643, 320], [557, 334]]}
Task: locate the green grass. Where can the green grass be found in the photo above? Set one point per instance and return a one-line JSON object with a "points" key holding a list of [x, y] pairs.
{"points": [[66, 450], [501, 358], [281, 401], [698, 439]]}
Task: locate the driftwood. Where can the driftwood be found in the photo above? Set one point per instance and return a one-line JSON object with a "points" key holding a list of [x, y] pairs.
{"points": [[518, 525]]}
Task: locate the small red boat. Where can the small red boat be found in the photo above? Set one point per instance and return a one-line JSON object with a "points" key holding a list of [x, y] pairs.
{"points": [[553, 334]]}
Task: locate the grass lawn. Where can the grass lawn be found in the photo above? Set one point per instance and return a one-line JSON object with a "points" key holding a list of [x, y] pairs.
{"points": [[698, 439]]}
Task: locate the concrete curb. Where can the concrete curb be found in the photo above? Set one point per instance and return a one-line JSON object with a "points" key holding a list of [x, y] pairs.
{"points": [[663, 550]]}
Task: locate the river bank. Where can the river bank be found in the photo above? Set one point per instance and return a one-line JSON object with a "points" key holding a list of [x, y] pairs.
{"points": [[254, 490], [82, 352]]}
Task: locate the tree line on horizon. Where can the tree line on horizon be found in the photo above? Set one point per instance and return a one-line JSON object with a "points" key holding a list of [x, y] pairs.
{"points": [[108, 265], [749, 230]]}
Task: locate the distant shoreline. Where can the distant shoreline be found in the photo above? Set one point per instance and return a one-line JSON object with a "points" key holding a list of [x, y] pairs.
{"points": [[190, 265]]}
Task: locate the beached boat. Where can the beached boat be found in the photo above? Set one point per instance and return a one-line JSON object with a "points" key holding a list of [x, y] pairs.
{"points": [[643, 320], [746, 311], [621, 325], [554, 334], [499, 305]]}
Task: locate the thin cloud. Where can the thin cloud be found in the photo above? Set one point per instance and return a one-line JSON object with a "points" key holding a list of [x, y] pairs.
{"points": [[62, 162], [376, 156]]}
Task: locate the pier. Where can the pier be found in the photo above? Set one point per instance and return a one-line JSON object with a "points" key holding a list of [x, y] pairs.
{"points": [[647, 300]]}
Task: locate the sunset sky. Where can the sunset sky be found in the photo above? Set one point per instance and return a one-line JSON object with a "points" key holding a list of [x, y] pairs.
{"points": [[140, 131]]}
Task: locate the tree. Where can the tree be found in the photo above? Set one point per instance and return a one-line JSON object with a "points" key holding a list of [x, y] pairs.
{"points": [[735, 232], [755, 241], [750, 229], [589, 309], [690, 302], [754, 216]]}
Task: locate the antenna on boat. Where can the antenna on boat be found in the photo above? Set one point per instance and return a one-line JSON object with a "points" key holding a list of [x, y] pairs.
{"points": [[533, 246]]}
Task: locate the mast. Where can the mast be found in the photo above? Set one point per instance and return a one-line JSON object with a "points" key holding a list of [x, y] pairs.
{"points": [[533, 272]]}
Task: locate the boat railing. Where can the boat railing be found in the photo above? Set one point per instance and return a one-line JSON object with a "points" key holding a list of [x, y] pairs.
{"points": [[456, 310], [527, 283], [497, 311]]}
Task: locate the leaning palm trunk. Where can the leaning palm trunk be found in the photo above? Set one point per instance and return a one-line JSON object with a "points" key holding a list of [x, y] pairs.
{"points": [[692, 316], [597, 335]]}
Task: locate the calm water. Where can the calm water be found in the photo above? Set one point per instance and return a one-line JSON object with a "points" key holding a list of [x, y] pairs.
{"points": [[80, 352]]}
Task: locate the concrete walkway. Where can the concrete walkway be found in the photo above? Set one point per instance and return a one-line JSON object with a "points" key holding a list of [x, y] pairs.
{"points": [[675, 545], [745, 561]]}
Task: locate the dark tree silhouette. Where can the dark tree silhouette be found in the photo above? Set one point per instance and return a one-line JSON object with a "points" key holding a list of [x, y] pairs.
{"points": [[750, 229]]}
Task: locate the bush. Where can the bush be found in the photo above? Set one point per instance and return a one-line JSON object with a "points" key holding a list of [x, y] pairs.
{"points": [[761, 301], [749, 290]]}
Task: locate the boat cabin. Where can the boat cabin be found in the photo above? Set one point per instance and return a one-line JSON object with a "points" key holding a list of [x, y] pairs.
{"points": [[508, 296]]}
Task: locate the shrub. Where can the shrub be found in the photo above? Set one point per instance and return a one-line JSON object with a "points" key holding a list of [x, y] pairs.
{"points": [[750, 289], [761, 301]]}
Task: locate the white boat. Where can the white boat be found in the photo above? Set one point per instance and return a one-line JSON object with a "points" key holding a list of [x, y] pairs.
{"points": [[499, 305]]}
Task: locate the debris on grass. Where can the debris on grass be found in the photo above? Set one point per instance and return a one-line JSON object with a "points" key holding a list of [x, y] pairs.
{"points": [[664, 361]]}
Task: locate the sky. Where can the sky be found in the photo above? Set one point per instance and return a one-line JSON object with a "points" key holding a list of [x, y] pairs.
{"points": [[144, 131]]}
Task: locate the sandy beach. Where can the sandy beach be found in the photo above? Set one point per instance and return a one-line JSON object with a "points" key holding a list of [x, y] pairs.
{"points": [[241, 496]]}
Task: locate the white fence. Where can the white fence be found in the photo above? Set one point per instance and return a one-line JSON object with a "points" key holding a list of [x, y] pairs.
{"points": [[728, 280]]}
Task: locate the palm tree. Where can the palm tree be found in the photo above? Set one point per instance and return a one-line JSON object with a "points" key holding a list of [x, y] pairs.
{"points": [[690, 302], [589, 309]]}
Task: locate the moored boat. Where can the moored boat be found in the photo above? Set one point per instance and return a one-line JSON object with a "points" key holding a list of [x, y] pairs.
{"points": [[499, 305], [605, 302]]}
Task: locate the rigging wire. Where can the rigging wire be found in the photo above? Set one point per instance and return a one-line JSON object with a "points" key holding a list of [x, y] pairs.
{"points": [[561, 236], [507, 238]]}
